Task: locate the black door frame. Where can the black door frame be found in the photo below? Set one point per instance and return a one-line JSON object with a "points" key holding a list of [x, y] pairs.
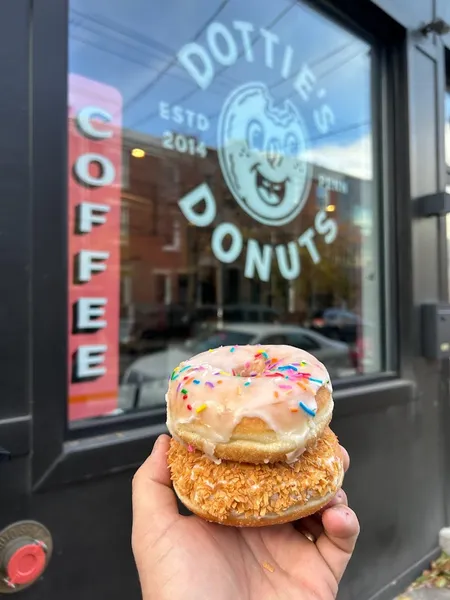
{"points": [[15, 238]]}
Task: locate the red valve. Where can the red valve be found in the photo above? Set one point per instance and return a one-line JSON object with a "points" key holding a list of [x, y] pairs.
{"points": [[25, 551], [26, 564]]}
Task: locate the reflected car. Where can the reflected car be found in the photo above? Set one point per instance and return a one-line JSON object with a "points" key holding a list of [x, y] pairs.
{"points": [[365, 351], [208, 316], [152, 326], [338, 324], [145, 381]]}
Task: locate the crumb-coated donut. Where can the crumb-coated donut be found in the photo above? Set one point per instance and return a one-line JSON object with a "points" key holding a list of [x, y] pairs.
{"points": [[249, 495], [250, 404]]}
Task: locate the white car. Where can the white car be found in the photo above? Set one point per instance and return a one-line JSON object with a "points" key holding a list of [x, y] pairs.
{"points": [[145, 381]]}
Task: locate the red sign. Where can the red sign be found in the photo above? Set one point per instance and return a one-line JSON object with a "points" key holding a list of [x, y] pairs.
{"points": [[95, 150]]}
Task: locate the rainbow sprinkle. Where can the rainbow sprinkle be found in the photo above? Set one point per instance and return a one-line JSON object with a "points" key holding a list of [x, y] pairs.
{"points": [[291, 376], [308, 411]]}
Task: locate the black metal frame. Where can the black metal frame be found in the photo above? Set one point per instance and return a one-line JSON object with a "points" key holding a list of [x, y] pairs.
{"points": [[118, 443], [14, 214], [15, 239]]}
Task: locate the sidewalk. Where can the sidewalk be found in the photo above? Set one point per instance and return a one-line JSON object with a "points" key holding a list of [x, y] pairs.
{"points": [[433, 584], [426, 594]]}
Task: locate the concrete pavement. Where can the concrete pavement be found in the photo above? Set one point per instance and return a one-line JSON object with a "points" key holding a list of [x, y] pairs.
{"points": [[426, 594], [434, 583]]}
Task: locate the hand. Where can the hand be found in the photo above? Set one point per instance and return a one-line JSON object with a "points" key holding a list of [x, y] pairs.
{"points": [[186, 558]]}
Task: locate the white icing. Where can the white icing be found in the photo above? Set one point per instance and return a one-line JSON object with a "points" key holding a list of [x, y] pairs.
{"points": [[292, 457], [217, 389]]}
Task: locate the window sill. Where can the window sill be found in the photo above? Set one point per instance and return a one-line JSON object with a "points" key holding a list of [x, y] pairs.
{"points": [[100, 455]]}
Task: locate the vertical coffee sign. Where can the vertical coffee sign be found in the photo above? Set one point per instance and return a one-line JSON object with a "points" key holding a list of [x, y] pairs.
{"points": [[95, 147]]}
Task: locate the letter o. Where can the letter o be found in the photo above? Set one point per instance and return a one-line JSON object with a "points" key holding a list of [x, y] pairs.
{"points": [[214, 31], [81, 168], [230, 255]]}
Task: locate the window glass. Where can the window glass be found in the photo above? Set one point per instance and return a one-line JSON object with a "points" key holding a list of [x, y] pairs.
{"points": [[302, 341], [220, 338], [221, 187], [277, 338]]}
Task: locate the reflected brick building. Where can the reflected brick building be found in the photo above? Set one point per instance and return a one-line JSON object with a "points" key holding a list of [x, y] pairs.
{"points": [[164, 263]]}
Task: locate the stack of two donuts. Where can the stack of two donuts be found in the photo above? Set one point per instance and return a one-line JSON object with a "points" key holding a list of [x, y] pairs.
{"points": [[251, 444]]}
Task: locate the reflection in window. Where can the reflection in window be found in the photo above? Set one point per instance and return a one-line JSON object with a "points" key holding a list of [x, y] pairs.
{"points": [[302, 341], [242, 135], [447, 128], [221, 338]]}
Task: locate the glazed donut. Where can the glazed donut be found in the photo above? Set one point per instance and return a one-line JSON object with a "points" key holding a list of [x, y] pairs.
{"points": [[252, 404], [249, 495]]}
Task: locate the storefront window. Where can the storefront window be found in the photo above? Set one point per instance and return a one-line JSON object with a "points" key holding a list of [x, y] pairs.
{"points": [[221, 191]]}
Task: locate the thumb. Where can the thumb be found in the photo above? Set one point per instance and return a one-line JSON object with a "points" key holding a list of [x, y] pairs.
{"points": [[337, 542], [154, 503]]}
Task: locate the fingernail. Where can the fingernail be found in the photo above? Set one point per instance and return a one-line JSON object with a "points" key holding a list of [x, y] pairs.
{"points": [[342, 509]]}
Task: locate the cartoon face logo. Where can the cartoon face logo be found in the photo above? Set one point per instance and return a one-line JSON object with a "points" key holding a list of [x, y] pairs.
{"points": [[261, 150]]}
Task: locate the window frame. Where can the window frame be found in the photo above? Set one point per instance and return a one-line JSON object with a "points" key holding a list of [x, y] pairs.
{"points": [[63, 454], [447, 92]]}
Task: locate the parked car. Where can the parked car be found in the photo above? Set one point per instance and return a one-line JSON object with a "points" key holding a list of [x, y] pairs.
{"points": [[337, 324], [145, 381], [364, 351], [212, 315], [152, 326]]}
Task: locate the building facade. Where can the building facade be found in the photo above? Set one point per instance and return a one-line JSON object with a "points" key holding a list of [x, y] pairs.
{"points": [[219, 173]]}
